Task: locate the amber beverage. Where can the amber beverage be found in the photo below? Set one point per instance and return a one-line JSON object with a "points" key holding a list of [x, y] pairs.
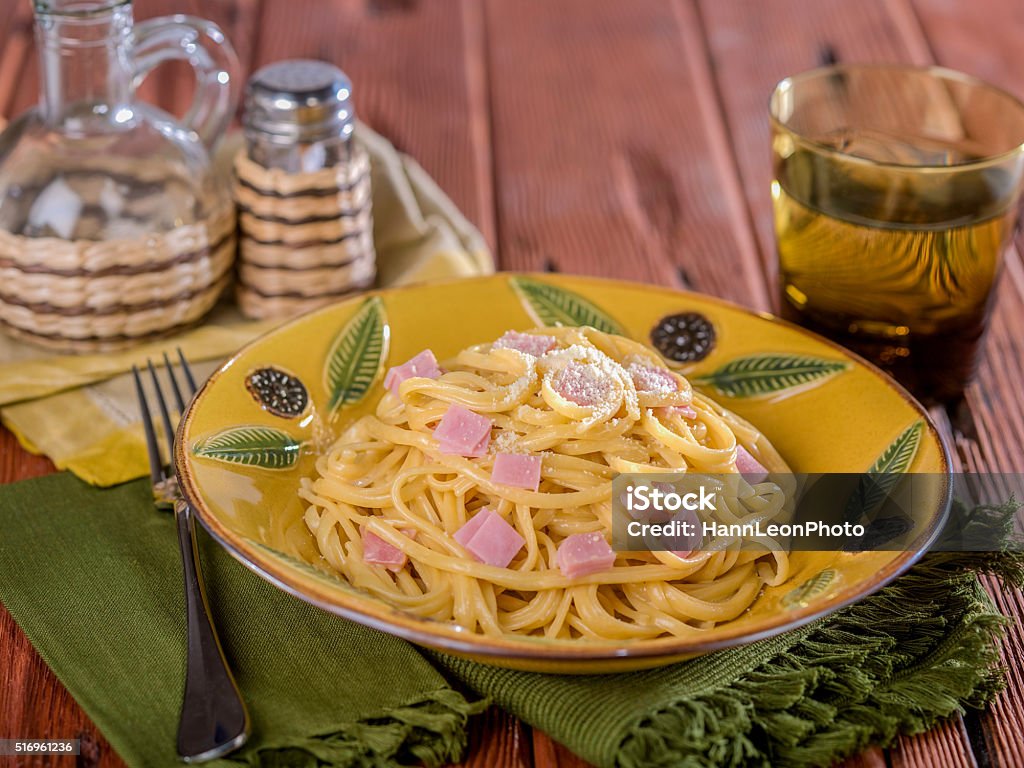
{"points": [[895, 194]]}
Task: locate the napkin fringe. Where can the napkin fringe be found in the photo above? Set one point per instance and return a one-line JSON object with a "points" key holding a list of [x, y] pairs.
{"points": [[431, 732], [893, 664]]}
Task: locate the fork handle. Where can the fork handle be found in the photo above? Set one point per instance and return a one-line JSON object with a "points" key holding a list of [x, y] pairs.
{"points": [[214, 720]]}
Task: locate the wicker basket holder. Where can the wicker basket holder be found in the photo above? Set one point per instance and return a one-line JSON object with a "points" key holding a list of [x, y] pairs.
{"points": [[306, 239], [86, 295]]}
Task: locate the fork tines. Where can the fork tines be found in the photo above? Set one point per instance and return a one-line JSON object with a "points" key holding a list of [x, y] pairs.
{"points": [[161, 474]]}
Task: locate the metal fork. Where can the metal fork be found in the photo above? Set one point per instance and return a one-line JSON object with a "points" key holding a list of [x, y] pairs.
{"points": [[214, 720]]}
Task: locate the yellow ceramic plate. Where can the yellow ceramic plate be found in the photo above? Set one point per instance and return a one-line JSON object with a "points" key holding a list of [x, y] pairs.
{"points": [[252, 432]]}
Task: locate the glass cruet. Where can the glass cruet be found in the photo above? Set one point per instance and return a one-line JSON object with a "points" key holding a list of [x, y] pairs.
{"points": [[90, 161]]}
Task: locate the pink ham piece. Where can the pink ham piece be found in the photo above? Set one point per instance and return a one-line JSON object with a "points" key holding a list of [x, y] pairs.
{"points": [[517, 470], [463, 432], [581, 384], [490, 539], [652, 380], [379, 552], [423, 365], [753, 471], [527, 343], [584, 553], [693, 541]]}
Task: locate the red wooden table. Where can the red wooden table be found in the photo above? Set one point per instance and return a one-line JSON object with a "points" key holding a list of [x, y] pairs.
{"points": [[624, 139]]}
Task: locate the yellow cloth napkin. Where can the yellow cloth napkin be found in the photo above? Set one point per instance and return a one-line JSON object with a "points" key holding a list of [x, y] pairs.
{"points": [[80, 410]]}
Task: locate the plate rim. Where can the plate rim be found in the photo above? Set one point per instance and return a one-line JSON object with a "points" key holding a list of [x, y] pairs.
{"points": [[448, 637]]}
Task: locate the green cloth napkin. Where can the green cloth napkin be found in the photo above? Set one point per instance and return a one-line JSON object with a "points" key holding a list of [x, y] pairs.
{"points": [[92, 577]]}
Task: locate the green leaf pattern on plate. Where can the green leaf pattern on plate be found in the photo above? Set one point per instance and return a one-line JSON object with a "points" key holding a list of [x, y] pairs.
{"points": [[252, 446], [767, 374], [883, 475], [901, 451], [550, 305], [814, 586], [356, 355]]}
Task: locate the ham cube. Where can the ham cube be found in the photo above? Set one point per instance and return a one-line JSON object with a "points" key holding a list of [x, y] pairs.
{"points": [[582, 384], [379, 552], [527, 343], [652, 380], [463, 433], [584, 553], [517, 470], [752, 470], [423, 365], [490, 539]]}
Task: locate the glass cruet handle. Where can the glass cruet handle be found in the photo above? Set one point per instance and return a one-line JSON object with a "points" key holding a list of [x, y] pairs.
{"points": [[203, 45]]}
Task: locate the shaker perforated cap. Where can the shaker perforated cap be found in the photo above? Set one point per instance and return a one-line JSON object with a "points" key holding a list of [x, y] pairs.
{"points": [[299, 100]]}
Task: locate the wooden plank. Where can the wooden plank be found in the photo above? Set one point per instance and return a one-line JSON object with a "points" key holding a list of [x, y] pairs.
{"points": [[548, 753], [418, 77], [496, 739], [790, 36], [982, 38], [16, 33], [609, 153], [946, 746], [16, 463], [22, 91]]}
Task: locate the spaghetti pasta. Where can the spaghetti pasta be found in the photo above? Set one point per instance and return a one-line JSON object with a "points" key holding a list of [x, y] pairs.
{"points": [[392, 494]]}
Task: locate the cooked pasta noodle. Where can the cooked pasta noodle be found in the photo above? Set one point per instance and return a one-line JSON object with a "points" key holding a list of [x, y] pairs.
{"points": [[592, 406]]}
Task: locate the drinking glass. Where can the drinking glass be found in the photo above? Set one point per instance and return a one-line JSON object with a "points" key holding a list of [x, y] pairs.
{"points": [[895, 194]]}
